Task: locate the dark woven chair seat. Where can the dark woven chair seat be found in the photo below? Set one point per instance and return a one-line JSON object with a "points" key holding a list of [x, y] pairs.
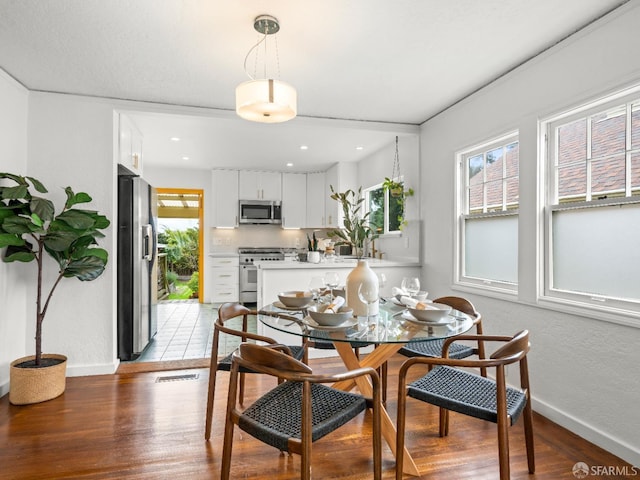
{"points": [[225, 364], [328, 344], [433, 348], [276, 417], [466, 393]]}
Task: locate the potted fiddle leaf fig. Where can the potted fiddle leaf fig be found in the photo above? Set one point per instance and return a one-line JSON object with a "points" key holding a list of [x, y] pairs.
{"points": [[356, 230], [31, 231]]}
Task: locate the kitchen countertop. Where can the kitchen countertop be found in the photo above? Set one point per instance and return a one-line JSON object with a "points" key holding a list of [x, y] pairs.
{"points": [[223, 254], [338, 263]]}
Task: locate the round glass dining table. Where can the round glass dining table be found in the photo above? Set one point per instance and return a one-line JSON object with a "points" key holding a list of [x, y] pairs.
{"points": [[393, 325], [392, 328]]}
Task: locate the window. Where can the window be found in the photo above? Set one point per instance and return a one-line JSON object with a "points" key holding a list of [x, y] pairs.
{"points": [[592, 209], [386, 211], [488, 214]]}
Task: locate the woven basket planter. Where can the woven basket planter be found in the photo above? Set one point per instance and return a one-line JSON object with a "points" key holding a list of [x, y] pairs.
{"points": [[35, 385]]}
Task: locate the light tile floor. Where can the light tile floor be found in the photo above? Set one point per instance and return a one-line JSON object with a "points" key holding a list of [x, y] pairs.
{"points": [[185, 331]]}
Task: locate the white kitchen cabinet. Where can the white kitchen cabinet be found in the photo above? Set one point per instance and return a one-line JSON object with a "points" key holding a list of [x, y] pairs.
{"points": [[225, 198], [342, 177], [129, 144], [315, 200], [255, 185], [224, 281], [331, 207], [294, 200]]}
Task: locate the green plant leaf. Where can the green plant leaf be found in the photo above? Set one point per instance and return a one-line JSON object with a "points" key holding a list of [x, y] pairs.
{"points": [[17, 192], [76, 219], [19, 225], [37, 185], [43, 208], [18, 254], [60, 240], [74, 199], [85, 268], [7, 239]]}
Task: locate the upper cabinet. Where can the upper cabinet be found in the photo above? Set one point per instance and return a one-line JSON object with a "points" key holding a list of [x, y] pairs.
{"points": [[256, 185], [294, 200], [225, 198], [129, 144], [315, 200]]}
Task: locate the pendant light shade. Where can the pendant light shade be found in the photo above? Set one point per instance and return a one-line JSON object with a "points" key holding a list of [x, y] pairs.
{"points": [[266, 100]]}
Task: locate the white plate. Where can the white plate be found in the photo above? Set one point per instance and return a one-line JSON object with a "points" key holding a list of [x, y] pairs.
{"points": [[282, 306], [397, 302], [352, 322], [446, 321]]}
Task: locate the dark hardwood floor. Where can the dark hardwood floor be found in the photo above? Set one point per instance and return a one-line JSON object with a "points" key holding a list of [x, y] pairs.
{"points": [[150, 425]]}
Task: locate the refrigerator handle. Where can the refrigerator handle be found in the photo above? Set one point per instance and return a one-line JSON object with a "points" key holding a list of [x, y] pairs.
{"points": [[147, 242]]}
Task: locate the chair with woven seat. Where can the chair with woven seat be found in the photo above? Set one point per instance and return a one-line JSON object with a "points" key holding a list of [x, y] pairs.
{"points": [[227, 312], [299, 411], [433, 348], [451, 388]]}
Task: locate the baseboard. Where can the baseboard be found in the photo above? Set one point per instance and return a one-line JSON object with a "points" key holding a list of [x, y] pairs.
{"points": [[84, 370], [611, 444], [4, 388]]}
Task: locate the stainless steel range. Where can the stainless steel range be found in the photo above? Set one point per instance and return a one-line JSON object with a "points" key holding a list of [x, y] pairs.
{"points": [[249, 272]]}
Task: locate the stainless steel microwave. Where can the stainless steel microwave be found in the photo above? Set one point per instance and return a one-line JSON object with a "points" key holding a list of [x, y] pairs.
{"points": [[260, 211]]}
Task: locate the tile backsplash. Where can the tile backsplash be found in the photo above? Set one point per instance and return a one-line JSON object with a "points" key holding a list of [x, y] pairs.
{"points": [[229, 240]]}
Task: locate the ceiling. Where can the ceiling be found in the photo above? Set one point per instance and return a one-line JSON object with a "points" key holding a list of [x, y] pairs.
{"points": [[365, 70]]}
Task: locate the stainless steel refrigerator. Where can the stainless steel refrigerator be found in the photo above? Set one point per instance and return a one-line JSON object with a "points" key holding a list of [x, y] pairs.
{"points": [[137, 265]]}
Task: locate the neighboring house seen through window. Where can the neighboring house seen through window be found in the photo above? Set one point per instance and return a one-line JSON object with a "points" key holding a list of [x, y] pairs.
{"points": [[488, 214], [592, 209]]}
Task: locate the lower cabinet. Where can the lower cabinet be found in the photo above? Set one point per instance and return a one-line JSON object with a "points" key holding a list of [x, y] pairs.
{"points": [[224, 280]]}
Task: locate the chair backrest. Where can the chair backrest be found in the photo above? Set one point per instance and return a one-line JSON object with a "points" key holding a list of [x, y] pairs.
{"points": [[227, 311], [461, 304], [266, 360], [515, 349]]}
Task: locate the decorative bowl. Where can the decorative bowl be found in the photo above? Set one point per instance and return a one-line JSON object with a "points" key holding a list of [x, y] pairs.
{"points": [[295, 298], [329, 319], [433, 312]]}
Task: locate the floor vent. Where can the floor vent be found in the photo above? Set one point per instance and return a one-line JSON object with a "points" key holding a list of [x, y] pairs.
{"points": [[177, 378]]}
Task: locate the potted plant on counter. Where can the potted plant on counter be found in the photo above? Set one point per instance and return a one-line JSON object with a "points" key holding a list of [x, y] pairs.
{"points": [[31, 231], [313, 255], [356, 230]]}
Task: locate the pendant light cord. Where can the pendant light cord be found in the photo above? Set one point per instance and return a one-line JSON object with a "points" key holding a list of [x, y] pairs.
{"points": [[255, 67]]}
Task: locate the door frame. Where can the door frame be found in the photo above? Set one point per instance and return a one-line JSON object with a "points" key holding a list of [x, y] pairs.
{"points": [[200, 193]]}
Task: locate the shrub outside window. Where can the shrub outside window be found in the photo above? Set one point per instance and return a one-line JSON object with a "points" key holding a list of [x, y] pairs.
{"points": [[386, 212]]}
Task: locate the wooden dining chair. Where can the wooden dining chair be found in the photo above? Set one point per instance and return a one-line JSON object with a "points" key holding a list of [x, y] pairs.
{"points": [[433, 348], [451, 388], [227, 312], [299, 411]]}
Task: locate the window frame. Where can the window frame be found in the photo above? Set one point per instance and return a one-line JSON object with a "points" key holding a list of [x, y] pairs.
{"points": [[367, 191], [608, 307], [461, 280]]}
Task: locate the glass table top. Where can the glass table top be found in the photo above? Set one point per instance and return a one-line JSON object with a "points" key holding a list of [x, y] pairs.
{"points": [[393, 324]]}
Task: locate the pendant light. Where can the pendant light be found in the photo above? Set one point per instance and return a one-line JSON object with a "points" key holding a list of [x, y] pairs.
{"points": [[265, 100]]}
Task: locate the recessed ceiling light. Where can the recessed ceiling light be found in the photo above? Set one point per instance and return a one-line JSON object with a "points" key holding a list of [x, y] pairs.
{"points": [[185, 158], [289, 164], [304, 147], [175, 139], [359, 147]]}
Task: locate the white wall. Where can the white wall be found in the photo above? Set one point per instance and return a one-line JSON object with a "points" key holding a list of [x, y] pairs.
{"points": [[373, 169], [584, 371], [13, 276], [71, 144]]}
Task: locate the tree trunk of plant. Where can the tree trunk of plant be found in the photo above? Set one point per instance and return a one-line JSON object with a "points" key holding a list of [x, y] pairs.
{"points": [[39, 314]]}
